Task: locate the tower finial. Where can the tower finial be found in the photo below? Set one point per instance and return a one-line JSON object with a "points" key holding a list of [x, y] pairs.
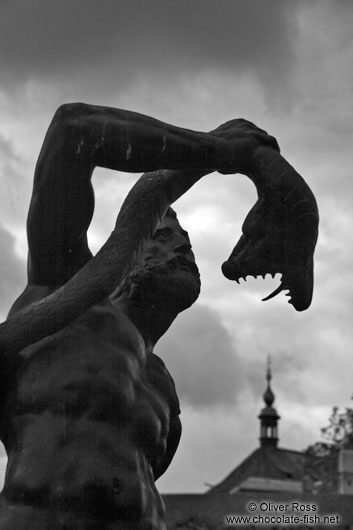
{"points": [[268, 416], [268, 372], [268, 396]]}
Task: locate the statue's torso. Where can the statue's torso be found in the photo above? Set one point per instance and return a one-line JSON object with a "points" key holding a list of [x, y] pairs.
{"points": [[86, 426]]}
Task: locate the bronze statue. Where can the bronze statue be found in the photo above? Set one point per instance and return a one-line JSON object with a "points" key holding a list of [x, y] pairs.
{"points": [[90, 416]]}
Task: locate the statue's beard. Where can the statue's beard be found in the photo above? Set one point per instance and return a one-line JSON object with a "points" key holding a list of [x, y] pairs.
{"points": [[170, 287]]}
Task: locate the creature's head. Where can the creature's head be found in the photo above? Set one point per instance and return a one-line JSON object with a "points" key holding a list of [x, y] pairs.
{"points": [[279, 236]]}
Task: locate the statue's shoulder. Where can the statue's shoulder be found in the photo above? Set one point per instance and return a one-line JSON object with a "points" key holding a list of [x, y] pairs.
{"points": [[110, 323]]}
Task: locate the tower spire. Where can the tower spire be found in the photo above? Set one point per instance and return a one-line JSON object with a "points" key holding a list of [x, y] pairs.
{"points": [[268, 372], [268, 416]]}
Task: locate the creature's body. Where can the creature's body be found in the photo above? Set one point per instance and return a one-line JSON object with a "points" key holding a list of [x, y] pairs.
{"points": [[89, 413]]}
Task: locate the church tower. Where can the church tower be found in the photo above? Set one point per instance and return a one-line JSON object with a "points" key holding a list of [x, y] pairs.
{"points": [[268, 416]]}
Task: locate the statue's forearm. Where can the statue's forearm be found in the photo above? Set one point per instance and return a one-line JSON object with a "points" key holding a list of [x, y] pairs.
{"points": [[132, 142], [157, 190]]}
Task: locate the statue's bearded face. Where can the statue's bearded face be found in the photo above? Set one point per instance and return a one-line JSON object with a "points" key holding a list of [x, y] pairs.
{"points": [[166, 275]]}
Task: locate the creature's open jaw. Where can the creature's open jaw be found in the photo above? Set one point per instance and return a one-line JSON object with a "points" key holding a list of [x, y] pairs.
{"points": [[278, 238], [297, 281], [241, 265], [228, 270]]}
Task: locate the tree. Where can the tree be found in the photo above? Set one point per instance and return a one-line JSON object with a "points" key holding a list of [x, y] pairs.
{"points": [[338, 434], [339, 431]]}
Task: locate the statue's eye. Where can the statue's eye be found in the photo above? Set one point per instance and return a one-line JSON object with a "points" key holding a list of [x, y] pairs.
{"points": [[161, 236]]}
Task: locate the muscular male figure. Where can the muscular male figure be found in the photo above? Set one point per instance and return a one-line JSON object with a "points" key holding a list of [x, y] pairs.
{"points": [[90, 416]]}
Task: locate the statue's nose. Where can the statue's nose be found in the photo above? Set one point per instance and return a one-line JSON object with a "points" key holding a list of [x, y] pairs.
{"points": [[183, 246]]}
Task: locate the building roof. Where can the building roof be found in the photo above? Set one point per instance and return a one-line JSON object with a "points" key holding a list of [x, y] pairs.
{"points": [[266, 462], [268, 484]]}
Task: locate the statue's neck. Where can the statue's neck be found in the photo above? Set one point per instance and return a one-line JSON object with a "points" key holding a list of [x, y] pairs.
{"points": [[151, 320]]}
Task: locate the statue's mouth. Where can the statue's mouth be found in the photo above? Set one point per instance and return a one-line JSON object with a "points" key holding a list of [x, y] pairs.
{"points": [[184, 263]]}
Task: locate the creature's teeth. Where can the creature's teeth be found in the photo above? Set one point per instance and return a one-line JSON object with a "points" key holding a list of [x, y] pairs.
{"points": [[238, 282], [275, 293]]}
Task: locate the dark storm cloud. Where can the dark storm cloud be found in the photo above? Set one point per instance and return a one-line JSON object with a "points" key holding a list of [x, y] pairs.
{"points": [[52, 39], [200, 355]]}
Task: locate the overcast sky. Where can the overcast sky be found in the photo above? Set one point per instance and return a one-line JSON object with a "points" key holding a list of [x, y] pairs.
{"points": [[287, 66]]}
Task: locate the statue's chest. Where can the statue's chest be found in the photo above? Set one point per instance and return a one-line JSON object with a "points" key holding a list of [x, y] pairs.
{"points": [[93, 362]]}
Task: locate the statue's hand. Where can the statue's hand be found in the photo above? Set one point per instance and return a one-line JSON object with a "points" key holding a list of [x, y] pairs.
{"points": [[242, 139]]}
